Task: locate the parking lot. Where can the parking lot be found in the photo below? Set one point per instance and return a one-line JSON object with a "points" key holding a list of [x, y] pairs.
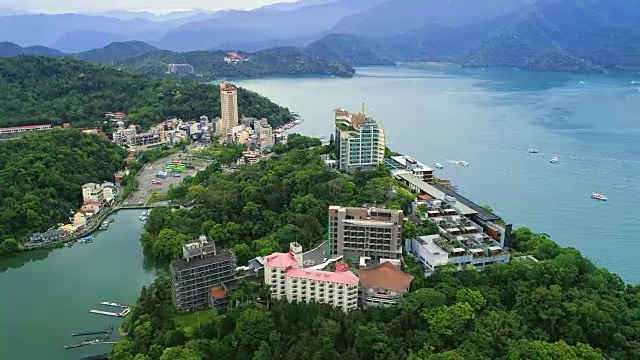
{"points": [[147, 175]]}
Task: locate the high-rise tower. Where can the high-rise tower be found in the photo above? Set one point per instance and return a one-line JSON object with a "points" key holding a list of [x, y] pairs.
{"points": [[229, 109]]}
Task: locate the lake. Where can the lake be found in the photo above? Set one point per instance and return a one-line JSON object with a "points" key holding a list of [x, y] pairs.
{"points": [[490, 118], [47, 294]]}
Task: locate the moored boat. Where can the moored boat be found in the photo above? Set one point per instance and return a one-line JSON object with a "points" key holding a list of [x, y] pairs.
{"points": [[598, 196], [439, 166], [554, 160]]}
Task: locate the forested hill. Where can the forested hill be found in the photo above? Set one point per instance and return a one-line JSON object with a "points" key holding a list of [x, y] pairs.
{"points": [[545, 35], [41, 177], [561, 307], [211, 65], [46, 90]]}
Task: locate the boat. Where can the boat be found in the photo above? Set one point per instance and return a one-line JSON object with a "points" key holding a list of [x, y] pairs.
{"points": [[439, 166], [598, 196], [87, 239], [462, 163], [144, 213], [533, 151], [554, 160], [68, 244], [143, 217], [104, 225]]}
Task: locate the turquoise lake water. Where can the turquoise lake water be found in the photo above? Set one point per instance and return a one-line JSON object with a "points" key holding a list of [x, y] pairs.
{"points": [[46, 295], [490, 118]]}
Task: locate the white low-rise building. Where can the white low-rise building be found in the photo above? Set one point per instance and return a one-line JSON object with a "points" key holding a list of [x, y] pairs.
{"points": [[289, 280], [417, 169], [102, 193]]}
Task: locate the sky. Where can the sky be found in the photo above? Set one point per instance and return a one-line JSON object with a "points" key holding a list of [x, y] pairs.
{"points": [[158, 6]]}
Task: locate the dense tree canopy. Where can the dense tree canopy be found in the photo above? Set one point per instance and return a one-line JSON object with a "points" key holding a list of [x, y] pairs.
{"points": [[560, 308], [41, 177], [261, 208], [47, 90], [211, 64]]}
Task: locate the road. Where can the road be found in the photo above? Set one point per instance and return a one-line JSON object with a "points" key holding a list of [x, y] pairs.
{"points": [[148, 174]]}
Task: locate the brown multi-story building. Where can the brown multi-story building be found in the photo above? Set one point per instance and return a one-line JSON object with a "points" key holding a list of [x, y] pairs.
{"points": [[201, 269], [362, 232]]}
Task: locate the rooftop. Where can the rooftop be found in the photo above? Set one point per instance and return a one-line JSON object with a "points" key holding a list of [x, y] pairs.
{"points": [[218, 293], [344, 277], [437, 193], [385, 276], [221, 255], [281, 260], [26, 127], [482, 212], [410, 163]]}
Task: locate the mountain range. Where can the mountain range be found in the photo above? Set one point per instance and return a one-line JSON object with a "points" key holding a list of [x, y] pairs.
{"points": [[554, 35], [144, 58], [566, 35]]}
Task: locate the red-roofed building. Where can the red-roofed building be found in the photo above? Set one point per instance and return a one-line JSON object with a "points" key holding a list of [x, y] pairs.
{"points": [[91, 206], [289, 280], [383, 285], [24, 129]]}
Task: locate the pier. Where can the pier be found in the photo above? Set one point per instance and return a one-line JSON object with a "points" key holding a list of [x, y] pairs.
{"points": [[106, 332], [122, 313]]}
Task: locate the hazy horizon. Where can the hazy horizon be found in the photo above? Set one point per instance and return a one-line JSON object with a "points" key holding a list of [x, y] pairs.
{"points": [[155, 6]]}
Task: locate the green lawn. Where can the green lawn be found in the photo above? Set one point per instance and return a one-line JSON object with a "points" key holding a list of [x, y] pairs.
{"points": [[191, 319]]}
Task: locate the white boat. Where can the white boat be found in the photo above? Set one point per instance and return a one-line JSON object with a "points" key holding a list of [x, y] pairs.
{"points": [[463, 163], [554, 160], [533, 151], [439, 166], [598, 197], [143, 218]]}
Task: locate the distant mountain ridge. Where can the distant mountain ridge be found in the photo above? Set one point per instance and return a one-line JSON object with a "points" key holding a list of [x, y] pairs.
{"points": [[141, 57], [553, 35], [545, 35]]}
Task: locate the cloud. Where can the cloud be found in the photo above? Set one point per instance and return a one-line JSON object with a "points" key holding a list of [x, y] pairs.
{"points": [[57, 6]]}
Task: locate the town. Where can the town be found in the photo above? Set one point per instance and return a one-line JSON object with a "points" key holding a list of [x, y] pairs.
{"points": [[360, 262]]}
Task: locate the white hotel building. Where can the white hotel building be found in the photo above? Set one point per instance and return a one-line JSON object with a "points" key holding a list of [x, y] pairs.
{"points": [[289, 280]]}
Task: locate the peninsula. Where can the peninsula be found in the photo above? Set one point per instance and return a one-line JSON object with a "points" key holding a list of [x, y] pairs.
{"points": [[436, 276]]}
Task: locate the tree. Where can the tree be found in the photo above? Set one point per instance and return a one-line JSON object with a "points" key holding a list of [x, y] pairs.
{"points": [[180, 353], [252, 326]]}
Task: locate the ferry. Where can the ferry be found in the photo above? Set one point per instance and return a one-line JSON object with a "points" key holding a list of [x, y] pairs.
{"points": [[598, 197], [533, 151], [554, 160], [439, 166]]}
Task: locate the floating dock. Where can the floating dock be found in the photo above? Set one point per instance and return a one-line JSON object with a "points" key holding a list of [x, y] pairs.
{"points": [[122, 313], [107, 303]]}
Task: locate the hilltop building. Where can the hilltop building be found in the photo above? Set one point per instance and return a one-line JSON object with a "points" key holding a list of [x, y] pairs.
{"points": [[460, 241], [180, 69], [362, 232], [360, 141], [125, 136], [289, 280], [24, 129], [229, 109], [383, 285], [102, 193], [202, 269]]}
